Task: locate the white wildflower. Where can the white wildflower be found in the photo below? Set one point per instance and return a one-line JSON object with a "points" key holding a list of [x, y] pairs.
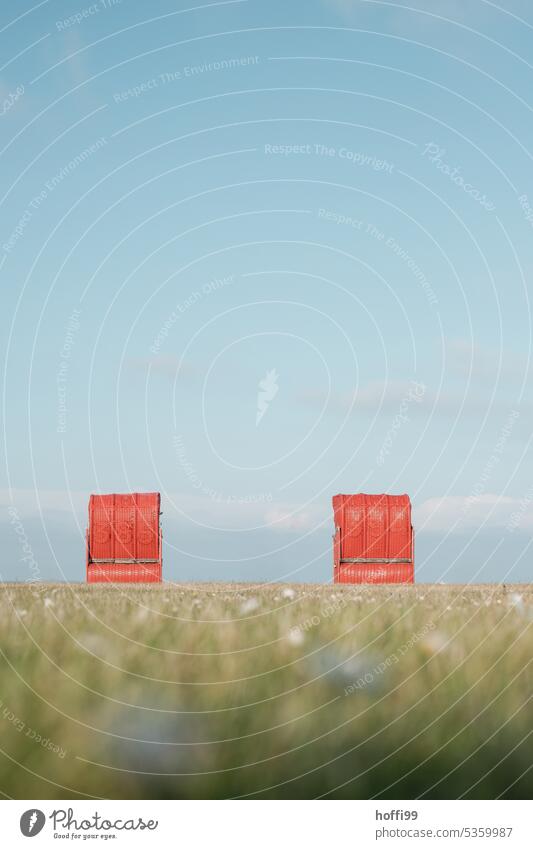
{"points": [[351, 675], [434, 642], [93, 643], [249, 606], [296, 636], [142, 614]]}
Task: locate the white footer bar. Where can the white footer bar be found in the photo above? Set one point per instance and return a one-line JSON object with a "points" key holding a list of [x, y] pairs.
{"points": [[257, 824]]}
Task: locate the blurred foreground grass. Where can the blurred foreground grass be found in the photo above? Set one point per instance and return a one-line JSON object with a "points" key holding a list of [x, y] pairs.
{"points": [[286, 691]]}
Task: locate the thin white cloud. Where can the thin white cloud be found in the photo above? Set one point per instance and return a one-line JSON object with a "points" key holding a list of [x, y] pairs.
{"points": [[166, 365], [259, 510], [461, 513], [294, 518], [483, 362], [222, 510], [441, 514], [29, 502], [373, 395], [386, 397]]}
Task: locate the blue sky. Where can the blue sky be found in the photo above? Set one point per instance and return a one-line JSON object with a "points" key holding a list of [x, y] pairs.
{"points": [[254, 254]]}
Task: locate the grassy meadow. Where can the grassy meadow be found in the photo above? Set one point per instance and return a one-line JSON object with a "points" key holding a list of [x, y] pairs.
{"points": [[276, 691]]}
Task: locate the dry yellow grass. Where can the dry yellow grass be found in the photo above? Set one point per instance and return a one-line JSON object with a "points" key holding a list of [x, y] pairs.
{"points": [[229, 690]]}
